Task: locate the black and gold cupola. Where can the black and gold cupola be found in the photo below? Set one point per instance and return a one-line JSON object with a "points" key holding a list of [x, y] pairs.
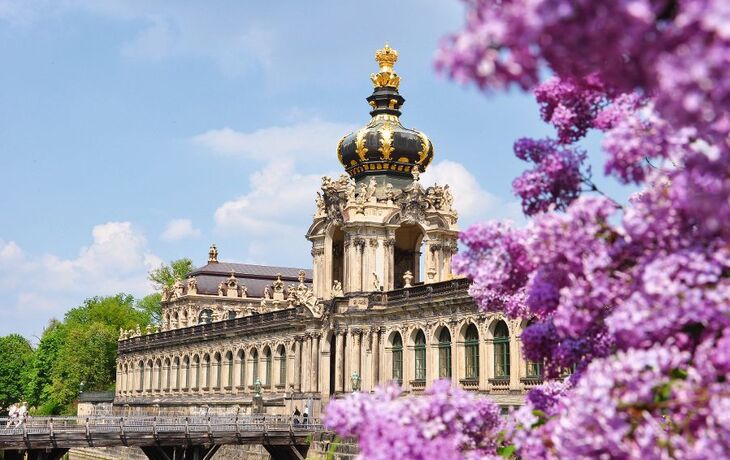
{"points": [[384, 146]]}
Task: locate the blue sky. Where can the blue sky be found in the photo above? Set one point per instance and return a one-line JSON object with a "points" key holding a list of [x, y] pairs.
{"points": [[138, 132]]}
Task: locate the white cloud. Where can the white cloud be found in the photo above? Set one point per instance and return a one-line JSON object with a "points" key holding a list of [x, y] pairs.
{"points": [[472, 202], [178, 229], [117, 260], [312, 138], [273, 216]]}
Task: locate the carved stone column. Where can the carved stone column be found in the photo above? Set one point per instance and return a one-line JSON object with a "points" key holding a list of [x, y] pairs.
{"points": [[357, 265], [348, 260], [389, 263], [365, 360], [298, 363], [314, 385], [339, 361], [307, 363], [376, 357], [515, 357]]}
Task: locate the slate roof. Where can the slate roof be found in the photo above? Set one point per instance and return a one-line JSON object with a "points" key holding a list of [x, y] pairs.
{"points": [[254, 277]]}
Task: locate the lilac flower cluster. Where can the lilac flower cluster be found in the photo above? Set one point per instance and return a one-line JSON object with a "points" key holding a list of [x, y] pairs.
{"points": [[555, 180], [634, 299], [445, 423]]}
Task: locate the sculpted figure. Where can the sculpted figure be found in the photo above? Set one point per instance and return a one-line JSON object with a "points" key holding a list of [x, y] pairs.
{"points": [[350, 191], [376, 282], [337, 289], [320, 203], [448, 198], [221, 288], [370, 191], [362, 193], [416, 173], [407, 279], [389, 192], [267, 292], [343, 181], [244, 291]]}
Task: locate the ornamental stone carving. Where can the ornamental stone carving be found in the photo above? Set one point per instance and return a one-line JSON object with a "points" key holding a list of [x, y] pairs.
{"points": [[192, 286]]}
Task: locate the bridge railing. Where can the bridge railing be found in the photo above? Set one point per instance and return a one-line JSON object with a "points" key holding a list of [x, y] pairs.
{"points": [[156, 425]]}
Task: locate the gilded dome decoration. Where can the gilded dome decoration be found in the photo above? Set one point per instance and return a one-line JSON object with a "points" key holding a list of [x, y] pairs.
{"points": [[384, 146]]}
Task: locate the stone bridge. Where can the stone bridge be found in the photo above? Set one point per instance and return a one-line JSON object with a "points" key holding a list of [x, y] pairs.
{"points": [[160, 438]]}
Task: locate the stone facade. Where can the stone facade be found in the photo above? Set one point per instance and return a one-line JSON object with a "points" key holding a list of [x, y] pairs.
{"points": [[380, 304]]}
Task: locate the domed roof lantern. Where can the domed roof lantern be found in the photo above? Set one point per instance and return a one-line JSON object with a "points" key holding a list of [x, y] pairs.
{"points": [[384, 147]]}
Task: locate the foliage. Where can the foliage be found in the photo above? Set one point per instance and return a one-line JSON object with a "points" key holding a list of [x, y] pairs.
{"points": [[81, 349], [151, 306], [38, 385], [166, 275], [15, 352], [634, 297]]}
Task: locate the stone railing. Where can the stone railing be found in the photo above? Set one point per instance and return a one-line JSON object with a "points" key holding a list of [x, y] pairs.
{"points": [[423, 291], [530, 382], [418, 385], [500, 384], [203, 332], [471, 384]]}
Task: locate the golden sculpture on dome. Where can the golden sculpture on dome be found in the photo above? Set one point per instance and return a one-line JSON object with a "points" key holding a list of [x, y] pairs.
{"points": [[386, 58]]}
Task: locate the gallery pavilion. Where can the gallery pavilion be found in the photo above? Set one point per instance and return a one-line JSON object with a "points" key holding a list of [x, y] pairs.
{"points": [[380, 303]]}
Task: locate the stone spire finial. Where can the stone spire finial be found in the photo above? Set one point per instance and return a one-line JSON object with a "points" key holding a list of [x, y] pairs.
{"points": [[213, 254]]}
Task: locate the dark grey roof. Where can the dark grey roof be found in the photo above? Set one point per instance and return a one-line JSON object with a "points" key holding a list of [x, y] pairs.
{"points": [[250, 270], [254, 277]]}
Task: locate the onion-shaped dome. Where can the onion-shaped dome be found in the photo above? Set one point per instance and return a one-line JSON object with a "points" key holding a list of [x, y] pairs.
{"points": [[385, 146]]}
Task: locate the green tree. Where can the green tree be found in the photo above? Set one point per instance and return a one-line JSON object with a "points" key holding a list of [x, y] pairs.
{"points": [[151, 306], [82, 348], [166, 275], [38, 385], [15, 354]]}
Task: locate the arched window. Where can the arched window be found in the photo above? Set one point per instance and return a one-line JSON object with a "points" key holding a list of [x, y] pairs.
{"points": [[420, 355], [241, 357], [196, 372], [255, 367], [176, 373], [267, 367], [501, 350], [166, 381], [140, 366], [229, 369], [158, 375], [444, 354], [217, 371], [186, 372], [205, 316], [206, 372], [398, 358], [231, 314], [282, 365], [471, 355]]}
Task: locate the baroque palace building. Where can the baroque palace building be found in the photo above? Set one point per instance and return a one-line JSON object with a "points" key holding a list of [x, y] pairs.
{"points": [[380, 303]]}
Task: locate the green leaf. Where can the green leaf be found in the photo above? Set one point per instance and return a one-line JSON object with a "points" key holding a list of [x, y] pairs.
{"points": [[506, 451]]}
